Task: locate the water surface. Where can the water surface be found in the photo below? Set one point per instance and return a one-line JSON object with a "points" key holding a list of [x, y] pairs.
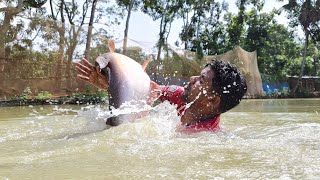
{"points": [[261, 139]]}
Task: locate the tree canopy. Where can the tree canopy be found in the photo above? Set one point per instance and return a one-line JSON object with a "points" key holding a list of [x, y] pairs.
{"points": [[208, 28]]}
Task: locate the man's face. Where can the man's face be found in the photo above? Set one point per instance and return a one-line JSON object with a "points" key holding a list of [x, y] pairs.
{"points": [[200, 87]]}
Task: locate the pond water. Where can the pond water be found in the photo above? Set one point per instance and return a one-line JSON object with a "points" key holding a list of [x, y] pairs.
{"points": [[261, 139]]}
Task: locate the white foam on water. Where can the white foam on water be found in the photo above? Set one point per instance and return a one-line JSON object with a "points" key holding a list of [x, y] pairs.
{"points": [[159, 121], [253, 145]]}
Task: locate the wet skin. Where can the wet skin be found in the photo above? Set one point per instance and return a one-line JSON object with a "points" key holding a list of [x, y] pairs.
{"points": [[198, 93], [204, 103]]}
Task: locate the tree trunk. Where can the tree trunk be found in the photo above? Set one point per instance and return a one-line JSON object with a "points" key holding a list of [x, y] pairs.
{"points": [[73, 44], [58, 77], [316, 66], [8, 17], [157, 63], [186, 29], [3, 29], [161, 36], [61, 31], [125, 38], [166, 40], [89, 35], [302, 63], [315, 62], [9, 13]]}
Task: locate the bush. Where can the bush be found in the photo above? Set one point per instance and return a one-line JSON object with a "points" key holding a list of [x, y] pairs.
{"points": [[78, 98], [43, 95]]}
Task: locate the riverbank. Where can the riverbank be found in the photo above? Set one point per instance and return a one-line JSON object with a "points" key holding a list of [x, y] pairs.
{"points": [[101, 97], [55, 100]]}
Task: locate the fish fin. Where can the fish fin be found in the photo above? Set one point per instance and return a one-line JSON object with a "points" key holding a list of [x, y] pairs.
{"points": [[145, 64], [111, 46]]}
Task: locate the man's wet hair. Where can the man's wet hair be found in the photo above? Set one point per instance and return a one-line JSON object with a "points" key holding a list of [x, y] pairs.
{"points": [[228, 83]]}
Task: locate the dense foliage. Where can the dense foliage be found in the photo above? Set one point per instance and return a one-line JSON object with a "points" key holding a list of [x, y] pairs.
{"points": [[209, 28]]}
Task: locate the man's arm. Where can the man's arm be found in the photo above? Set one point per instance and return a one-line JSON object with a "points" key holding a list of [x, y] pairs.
{"points": [[88, 73], [155, 92]]}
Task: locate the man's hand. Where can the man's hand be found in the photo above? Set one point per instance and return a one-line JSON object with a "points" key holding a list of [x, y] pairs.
{"points": [[155, 92], [88, 73]]}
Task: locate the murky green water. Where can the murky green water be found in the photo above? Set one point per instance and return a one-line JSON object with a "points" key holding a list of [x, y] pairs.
{"points": [[263, 139]]}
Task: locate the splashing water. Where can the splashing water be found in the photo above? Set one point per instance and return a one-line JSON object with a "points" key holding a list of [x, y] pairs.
{"points": [[192, 102], [268, 139], [97, 115]]}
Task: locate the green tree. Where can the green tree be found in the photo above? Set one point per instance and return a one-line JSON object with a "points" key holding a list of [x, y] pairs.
{"points": [[236, 23], [70, 28], [76, 20], [22, 35], [307, 14], [129, 6], [90, 27], [274, 43], [60, 26], [105, 14], [316, 57], [204, 33], [166, 11], [10, 9]]}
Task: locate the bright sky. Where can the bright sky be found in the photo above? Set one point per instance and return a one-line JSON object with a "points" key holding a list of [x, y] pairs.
{"points": [[143, 29]]}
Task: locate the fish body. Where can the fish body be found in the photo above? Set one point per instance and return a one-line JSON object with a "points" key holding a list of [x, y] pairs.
{"points": [[127, 81]]}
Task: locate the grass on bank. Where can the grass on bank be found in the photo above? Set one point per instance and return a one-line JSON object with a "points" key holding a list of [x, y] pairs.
{"points": [[93, 96], [45, 97]]}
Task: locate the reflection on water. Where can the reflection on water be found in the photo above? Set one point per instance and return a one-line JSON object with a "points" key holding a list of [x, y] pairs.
{"points": [[261, 139]]}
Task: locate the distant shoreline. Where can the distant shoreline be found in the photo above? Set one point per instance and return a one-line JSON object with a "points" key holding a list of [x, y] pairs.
{"points": [[87, 99], [71, 100]]}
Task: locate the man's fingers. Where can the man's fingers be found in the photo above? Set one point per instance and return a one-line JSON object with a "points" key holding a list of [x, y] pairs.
{"points": [[88, 73], [82, 68], [103, 86], [82, 77], [86, 63], [82, 72]]}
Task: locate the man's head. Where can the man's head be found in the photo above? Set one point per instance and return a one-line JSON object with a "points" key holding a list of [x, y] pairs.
{"points": [[229, 84], [219, 88]]}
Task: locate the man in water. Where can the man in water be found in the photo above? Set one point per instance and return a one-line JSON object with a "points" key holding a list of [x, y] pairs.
{"points": [[219, 88]]}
